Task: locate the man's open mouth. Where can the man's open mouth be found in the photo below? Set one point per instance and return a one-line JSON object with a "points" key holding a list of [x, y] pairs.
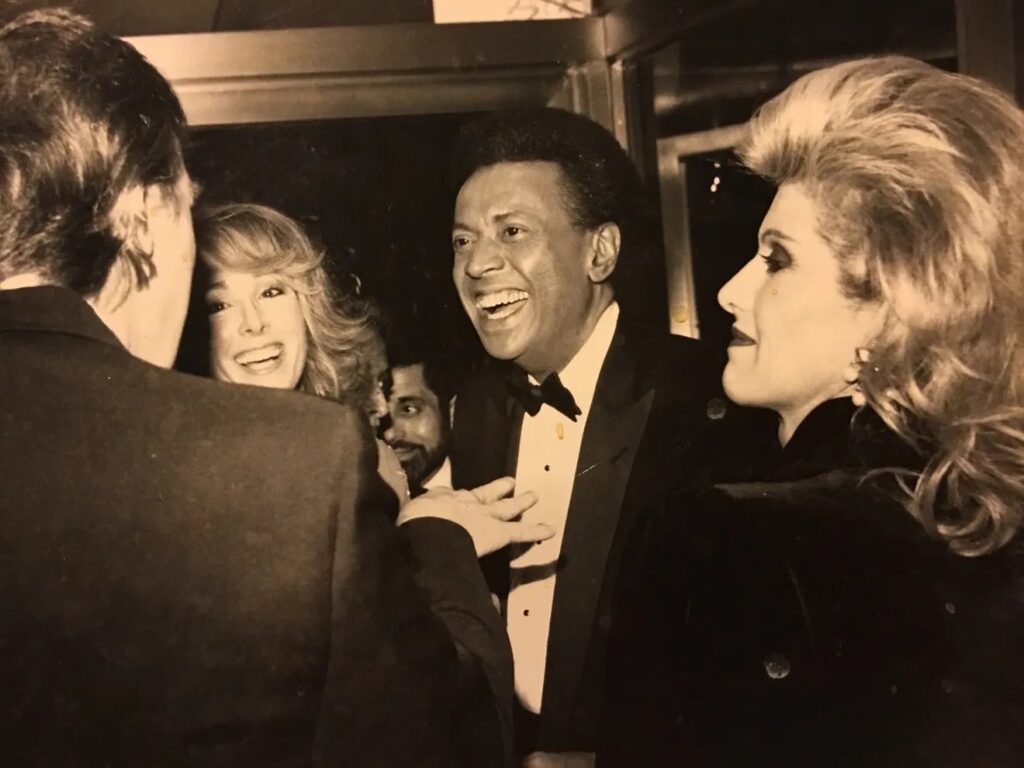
{"points": [[406, 451], [500, 304]]}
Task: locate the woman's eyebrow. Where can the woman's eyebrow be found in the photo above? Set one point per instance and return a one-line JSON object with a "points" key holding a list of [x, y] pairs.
{"points": [[776, 234]]}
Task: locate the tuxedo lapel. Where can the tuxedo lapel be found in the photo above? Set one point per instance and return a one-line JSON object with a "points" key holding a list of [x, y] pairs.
{"points": [[485, 444], [484, 441], [611, 438]]}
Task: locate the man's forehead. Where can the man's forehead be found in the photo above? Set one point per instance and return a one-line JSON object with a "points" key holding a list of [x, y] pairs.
{"points": [[498, 191], [409, 381], [507, 179]]}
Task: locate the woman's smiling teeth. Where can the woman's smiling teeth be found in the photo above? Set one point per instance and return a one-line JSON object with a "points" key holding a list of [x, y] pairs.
{"points": [[501, 304], [262, 359]]}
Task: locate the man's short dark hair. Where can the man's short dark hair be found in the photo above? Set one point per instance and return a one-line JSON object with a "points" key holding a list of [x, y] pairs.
{"points": [[83, 117], [601, 182], [407, 347]]}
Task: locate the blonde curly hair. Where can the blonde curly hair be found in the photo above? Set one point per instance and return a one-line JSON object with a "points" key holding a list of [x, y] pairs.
{"points": [[919, 174], [251, 238]]}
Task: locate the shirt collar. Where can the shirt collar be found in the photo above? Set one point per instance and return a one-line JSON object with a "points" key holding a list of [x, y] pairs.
{"points": [[580, 375], [442, 477]]}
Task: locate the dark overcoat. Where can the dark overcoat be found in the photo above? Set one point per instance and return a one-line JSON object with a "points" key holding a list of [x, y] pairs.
{"points": [[203, 574], [809, 620]]}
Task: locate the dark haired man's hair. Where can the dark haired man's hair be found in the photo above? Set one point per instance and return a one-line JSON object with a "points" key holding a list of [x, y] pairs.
{"points": [[440, 370], [83, 118], [601, 183]]}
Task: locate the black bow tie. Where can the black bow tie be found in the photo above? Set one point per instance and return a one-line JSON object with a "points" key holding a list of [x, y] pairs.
{"points": [[550, 391]]}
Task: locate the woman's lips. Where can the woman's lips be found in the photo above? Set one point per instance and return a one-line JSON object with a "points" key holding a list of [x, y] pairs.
{"points": [[740, 339], [262, 359]]}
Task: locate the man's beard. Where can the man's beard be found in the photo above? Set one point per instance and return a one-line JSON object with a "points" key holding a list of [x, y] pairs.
{"points": [[417, 462]]}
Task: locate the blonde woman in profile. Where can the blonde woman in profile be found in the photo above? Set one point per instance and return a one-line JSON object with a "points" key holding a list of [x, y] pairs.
{"points": [[276, 321], [864, 605]]}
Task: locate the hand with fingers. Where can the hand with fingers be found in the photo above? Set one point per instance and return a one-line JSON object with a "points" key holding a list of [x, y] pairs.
{"points": [[490, 514]]}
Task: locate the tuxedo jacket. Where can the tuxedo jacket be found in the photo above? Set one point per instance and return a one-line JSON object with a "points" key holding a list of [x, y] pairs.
{"points": [[657, 414], [203, 574]]}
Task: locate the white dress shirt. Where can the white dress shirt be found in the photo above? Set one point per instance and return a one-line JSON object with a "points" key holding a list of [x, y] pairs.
{"points": [[442, 477], [549, 449]]}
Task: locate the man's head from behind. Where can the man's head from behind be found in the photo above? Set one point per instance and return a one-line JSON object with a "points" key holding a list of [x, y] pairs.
{"points": [[418, 426], [546, 203], [93, 191]]}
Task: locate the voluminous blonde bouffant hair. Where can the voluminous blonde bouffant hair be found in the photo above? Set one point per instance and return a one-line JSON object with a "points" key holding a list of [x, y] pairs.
{"points": [[919, 176], [251, 238]]}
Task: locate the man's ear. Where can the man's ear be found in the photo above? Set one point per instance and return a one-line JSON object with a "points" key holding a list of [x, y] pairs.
{"points": [[605, 244], [132, 221], [129, 218], [128, 222]]}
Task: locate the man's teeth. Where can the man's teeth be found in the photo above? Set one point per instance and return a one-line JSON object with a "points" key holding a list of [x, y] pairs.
{"points": [[497, 299]]}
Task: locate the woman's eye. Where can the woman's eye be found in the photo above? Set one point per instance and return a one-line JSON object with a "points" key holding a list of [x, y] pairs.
{"points": [[512, 231], [272, 292], [410, 410], [776, 259], [459, 242], [213, 307]]}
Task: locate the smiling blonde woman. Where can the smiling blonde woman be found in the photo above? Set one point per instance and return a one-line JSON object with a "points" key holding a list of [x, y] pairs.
{"points": [[276, 320], [262, 263]]}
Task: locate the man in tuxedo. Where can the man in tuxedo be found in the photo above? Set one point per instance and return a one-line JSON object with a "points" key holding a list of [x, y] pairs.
{"points": [[195, 573], [582, 407]]}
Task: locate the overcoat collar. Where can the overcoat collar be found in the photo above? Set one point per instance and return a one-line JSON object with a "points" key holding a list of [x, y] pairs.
{"points": [[53, 309]]}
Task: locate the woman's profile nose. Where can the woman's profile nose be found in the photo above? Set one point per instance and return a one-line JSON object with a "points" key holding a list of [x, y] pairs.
{"points": [[725, 295], [732, 296]]}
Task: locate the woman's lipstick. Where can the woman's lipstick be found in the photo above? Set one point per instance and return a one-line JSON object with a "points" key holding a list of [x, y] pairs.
{"points": [[740, 339]]}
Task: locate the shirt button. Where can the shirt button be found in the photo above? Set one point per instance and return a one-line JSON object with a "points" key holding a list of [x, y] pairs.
{"points": [[716, 409], [526, 612], [777, 666], [547, 467]]}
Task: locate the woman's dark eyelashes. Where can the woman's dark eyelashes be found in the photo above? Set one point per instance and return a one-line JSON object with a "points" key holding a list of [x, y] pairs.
{"points": [[776, 259], [213, 307]]}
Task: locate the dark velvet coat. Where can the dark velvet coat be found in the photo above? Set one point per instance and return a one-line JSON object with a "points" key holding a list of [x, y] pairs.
{"points": [[204, 574], [657, 397], [809, 620]]}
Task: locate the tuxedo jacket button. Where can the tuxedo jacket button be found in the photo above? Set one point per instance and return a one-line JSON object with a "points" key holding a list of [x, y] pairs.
{"points": [[777, 666], [716, 409]]}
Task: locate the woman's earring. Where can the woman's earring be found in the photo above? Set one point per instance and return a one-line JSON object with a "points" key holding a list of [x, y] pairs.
{"points": [[851, 375]]}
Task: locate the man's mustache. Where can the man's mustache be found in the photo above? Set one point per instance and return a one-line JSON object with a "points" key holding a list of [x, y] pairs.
{"points": [[402, 445]]}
